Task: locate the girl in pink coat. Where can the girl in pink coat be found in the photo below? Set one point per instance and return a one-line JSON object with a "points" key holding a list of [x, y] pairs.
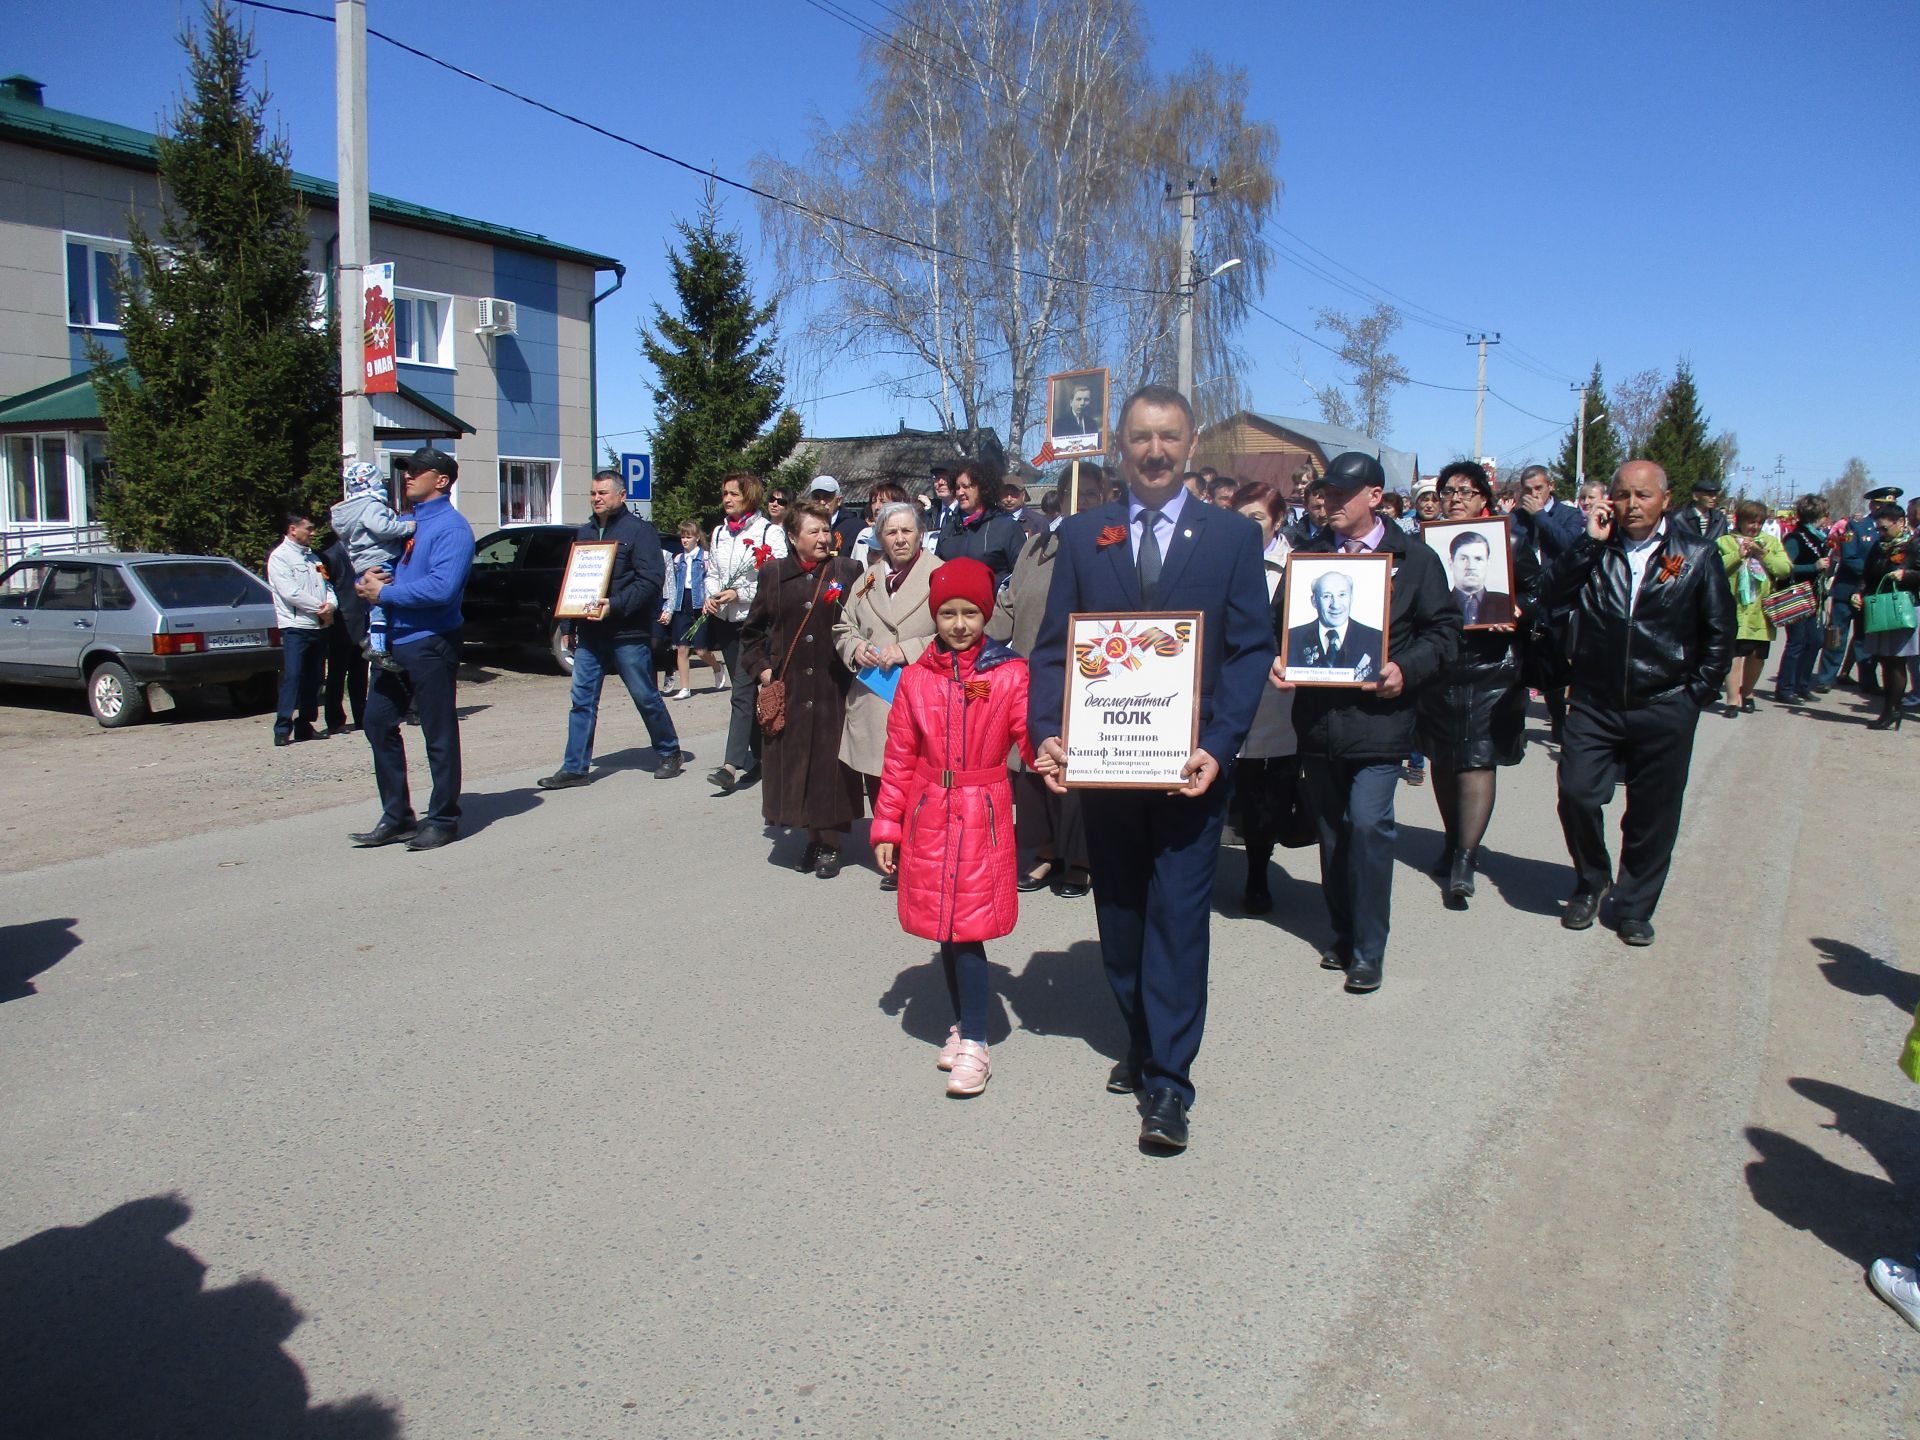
{"points": [[944, 819]]}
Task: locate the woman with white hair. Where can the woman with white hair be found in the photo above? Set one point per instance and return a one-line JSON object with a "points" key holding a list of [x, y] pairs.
{"points": [[885, 627]]}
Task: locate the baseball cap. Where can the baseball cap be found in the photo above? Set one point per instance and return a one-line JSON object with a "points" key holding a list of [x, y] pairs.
{"points": [[1355, 470], [823, 484], [428, 458]]}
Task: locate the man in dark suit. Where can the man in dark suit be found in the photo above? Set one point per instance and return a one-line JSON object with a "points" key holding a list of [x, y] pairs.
{"points": [[1335, 640], [1545, 525], [1702, 518], [1076, 409], [1152, 851], [1653, 644], [1353, 741], [1467, 559]]}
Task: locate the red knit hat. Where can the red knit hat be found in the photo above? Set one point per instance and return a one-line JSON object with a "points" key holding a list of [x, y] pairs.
{"points": [[961, 579]]}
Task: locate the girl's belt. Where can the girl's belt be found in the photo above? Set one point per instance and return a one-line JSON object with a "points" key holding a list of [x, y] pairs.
{"points": [[948, 779]]}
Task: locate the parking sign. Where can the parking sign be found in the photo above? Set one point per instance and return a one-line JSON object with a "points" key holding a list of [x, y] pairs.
{"points": [[638, 473]]}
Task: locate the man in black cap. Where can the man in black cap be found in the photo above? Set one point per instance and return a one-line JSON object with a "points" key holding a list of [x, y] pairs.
{"points": [[1702, 518], [422, 602], [1354, 741], [1653, 641]]}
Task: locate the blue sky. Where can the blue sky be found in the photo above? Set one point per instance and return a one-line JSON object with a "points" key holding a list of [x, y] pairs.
{"points": [[1733, 183]]}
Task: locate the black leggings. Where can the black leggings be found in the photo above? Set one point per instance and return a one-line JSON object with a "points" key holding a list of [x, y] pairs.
{"points": [[965, 962]]}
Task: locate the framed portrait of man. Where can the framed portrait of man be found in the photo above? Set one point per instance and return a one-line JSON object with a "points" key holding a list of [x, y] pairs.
{"points": [[1335, 621], [1478, 556], [1077, 414]]}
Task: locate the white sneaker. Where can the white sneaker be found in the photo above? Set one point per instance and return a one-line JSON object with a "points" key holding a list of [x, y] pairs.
{"points": [[681, 694], [1899, 1286]]}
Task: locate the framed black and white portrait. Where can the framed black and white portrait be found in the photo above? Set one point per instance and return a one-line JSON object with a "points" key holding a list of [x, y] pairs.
{"points": [[1077, 414], [1478, 556], [1334, 626]]}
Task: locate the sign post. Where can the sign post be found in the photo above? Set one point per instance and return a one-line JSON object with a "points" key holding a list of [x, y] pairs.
{"points": [[637, 471]]}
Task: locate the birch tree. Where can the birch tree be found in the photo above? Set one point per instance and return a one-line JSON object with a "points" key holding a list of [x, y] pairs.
{"points": [[998, 209]]}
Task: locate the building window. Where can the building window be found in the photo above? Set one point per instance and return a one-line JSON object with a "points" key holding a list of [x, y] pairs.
{"points": [[526, 491], [420, 328], [94, 470], [37, 480], [93, 299]]}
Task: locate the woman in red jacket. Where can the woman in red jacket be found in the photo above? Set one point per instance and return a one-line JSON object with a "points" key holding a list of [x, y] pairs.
{"points": [[944, 819]]}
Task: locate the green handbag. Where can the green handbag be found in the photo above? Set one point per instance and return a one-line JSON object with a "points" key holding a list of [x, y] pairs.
{"points": [[1886, 609]]}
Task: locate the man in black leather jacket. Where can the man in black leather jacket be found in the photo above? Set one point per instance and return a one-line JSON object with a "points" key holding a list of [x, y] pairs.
{"points": [[1653, 628]]}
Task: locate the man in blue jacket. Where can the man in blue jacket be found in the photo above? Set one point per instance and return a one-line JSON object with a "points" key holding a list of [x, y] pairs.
{"points": [[422, 602], [1153, 852], [617, 635]]}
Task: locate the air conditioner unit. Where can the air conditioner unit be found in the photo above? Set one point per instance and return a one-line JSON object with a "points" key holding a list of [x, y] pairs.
{"points": [[497, 317]]}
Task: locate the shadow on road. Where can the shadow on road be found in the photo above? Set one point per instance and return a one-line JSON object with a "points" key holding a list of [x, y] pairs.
{"points": [[108, 1331], [1849, 968], [1860, 1216], [1059, 992], [26, 950], [1526, 883], [478, 811]]}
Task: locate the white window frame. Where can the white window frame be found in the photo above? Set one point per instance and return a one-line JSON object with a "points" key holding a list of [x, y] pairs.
{"points": [[95, 245], [404, 296], [552, 507], [74, 481]]}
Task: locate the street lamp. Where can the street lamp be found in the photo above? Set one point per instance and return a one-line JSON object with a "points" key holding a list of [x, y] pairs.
{"points": [[1192, 283]]}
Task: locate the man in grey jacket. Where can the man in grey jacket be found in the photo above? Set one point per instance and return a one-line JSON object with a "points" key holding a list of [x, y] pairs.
{"points": [[303, 606]]}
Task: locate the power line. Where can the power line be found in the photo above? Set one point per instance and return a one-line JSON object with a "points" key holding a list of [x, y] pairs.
{"points": [[709, 173]]}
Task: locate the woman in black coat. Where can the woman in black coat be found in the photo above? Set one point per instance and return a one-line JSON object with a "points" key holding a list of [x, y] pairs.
{"points": [[1473, 715], [978, 528]]}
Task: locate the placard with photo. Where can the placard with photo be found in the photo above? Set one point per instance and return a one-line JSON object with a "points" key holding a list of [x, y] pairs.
{"points": [[1077, 414], [1335, 620], [1478, 558]]}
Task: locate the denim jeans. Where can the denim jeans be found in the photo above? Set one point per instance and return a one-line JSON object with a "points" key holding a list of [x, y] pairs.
{"points": [[1795, 674], [300, 654], [632, 660]]}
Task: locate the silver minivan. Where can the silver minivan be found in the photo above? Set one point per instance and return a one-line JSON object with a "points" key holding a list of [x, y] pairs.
{"points": [[131, 629]]}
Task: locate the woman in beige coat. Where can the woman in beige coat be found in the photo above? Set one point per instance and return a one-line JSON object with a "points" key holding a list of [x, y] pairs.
{"points": [[886, 624]]}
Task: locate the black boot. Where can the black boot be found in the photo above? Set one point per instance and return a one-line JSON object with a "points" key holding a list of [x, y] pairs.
{"points": [[1460, 879], [1258, 900], [1889, 716]]}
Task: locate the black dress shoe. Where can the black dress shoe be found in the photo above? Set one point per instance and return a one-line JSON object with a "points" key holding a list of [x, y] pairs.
{"points": [[1363, 977], [1332, 959], [1257, 902], [1747, 707], [1038, 878], [1163, 1121], [827, 864], [809, 858], [562, 780], [889, 884], [1820, 689], [1581, 909], [1460, 881], [1635, 932], [724, 780], [432, 837], [385, 834], [669, 767], [1074, 889], [280, 740], [1124, 1078]]}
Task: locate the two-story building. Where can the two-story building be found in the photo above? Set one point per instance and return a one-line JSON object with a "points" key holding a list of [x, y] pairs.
{"points": [[508, 388]]}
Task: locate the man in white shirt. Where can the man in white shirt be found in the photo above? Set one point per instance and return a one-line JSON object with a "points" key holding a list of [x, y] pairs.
{"points": [[303, 606]]}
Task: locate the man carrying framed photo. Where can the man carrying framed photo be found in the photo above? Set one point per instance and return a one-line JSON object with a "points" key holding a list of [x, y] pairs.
{"points": [[1354, 739]]}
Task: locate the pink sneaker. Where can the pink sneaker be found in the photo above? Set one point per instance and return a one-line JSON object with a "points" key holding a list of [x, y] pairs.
{"points": [[970, 1070], [950, 1051]]}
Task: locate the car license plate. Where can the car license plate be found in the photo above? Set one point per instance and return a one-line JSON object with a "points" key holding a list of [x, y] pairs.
{"points": [[236, 640]]}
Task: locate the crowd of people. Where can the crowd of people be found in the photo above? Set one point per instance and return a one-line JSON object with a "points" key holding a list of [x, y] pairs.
{"points": [[910, 664]]}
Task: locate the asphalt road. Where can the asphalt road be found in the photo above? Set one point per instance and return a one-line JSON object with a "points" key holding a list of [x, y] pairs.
{"points": [[601, 1123]]}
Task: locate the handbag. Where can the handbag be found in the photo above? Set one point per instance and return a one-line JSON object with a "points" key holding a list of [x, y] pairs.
{"points": [[1796, 602], [1887, 609], [770, 705]]}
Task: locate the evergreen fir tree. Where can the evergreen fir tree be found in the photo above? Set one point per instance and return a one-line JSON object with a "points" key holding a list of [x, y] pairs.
{"points": [[1679, 443], [1603, 453], [718, 384], [228, 412]]}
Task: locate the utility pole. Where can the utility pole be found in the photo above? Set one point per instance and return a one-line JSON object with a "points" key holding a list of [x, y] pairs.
{"points": [[356, 241], [1480, 394], [1189, 204], [1579, 434]]}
